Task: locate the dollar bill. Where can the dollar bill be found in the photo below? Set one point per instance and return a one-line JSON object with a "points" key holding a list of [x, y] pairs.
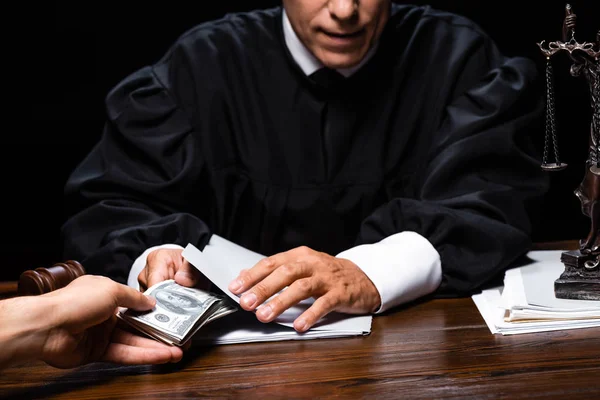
{"points": [[179, 312]]}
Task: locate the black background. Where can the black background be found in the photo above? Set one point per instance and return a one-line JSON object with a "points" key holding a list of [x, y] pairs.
{"points": [[67, 55]]}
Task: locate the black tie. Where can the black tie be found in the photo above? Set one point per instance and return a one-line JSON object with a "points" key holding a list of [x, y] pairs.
{"points": [[327, 78], [334, 118]]}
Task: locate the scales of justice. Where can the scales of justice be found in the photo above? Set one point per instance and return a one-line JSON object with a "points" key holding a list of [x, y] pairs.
{"points": [[581, 277]]}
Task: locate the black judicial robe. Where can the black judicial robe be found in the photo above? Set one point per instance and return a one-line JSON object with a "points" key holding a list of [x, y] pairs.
{"points": [[224, 135]]}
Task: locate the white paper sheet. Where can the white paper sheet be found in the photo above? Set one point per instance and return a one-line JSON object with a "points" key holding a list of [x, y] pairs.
{"points": [[222, 261], [534, 281], [243, 327], [538, 281]]}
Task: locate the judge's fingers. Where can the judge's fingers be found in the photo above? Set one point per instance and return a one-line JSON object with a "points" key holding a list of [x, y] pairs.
{"points": [[281, 277], [143, 280], [249, 277], [157, 272], [320, 308], [300, 290], [161, 264], [187, 275], [148, 275]]}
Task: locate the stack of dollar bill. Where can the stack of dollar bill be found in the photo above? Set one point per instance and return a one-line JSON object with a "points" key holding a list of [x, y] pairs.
{"points": [[179, 312]]}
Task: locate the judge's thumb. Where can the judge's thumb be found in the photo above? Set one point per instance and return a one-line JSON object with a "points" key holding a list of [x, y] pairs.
{"points": [[187, 275]]}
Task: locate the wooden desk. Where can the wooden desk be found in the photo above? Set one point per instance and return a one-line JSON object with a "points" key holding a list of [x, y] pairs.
{"points": [[438, 349]]}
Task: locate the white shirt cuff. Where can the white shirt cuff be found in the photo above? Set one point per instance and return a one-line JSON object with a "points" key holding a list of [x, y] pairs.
{"points": [[403, 267], [140, 263]]}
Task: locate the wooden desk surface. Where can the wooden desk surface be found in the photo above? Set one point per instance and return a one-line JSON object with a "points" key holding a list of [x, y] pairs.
{"points": [[438, 349]]}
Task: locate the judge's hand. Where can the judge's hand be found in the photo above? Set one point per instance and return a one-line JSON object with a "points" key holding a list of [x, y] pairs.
{"points": [[83, 326], [163, 264], [336, 284]]}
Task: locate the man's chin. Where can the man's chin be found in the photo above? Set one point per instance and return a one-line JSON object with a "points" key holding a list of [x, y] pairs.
{"points": [[340, 61]]}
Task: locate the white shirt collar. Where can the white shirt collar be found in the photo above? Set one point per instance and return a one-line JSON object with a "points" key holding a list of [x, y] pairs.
{"points": [[306, 60]]}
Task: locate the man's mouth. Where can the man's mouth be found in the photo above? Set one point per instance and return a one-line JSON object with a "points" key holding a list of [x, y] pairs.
{"points": [[344, 35]]}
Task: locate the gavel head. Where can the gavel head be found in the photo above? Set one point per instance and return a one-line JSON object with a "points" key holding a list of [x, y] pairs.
{"points": [[44, 280]]}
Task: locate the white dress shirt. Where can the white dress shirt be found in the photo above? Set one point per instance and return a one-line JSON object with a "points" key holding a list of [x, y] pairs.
{"points": [[403, 266]]}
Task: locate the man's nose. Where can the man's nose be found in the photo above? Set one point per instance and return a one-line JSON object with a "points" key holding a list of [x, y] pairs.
{"points": [[343, 9]]}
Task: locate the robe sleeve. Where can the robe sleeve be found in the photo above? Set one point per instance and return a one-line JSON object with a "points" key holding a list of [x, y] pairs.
{"points": [[476, 188], [138, 186]]}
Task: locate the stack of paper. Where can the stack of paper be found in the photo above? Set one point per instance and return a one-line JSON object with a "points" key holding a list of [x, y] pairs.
{"points": [[221, 261], [526, 303]]}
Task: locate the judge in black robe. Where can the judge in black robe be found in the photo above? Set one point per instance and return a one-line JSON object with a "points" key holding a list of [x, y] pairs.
{"points": [[416, 165]]}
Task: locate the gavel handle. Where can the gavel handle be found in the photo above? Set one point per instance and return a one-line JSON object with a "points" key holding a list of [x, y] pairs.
{"points": [[44, 280]]}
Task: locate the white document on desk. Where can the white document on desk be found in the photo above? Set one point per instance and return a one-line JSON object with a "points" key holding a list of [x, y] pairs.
{"points": [[221, 261], [536, 280], [526, 303]]}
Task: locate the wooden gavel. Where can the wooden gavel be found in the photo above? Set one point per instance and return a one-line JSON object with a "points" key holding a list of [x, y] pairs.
{"points": [[43, 280]]}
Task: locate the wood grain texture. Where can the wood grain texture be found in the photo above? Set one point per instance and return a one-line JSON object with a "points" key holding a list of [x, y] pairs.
{"points": [[561, 245], [436, 349]]}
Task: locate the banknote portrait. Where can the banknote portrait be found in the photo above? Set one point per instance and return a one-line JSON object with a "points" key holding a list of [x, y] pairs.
{"points": [[179, 303]]}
